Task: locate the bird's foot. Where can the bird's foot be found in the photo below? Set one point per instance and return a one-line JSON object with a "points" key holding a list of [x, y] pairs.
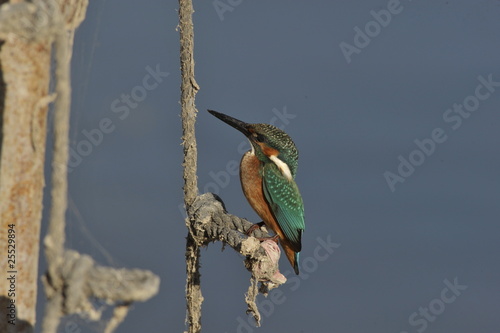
{"points": [[272, 238], [254, 227], [262, 239]]}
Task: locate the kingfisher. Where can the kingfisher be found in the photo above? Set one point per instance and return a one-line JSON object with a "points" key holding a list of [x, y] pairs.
{"points": [[267, 174]]}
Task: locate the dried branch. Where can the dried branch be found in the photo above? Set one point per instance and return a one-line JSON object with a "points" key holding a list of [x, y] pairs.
{"points": [[189, 88], [54, 240], [207, 220], [25, 51], [84, 280], [72, 279], [212, 223]]}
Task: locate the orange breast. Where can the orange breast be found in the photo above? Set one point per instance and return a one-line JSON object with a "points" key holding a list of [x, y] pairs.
{"points": [[251, 182]]}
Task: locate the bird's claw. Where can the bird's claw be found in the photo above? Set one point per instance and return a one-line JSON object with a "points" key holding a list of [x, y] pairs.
{"points": [[253, 228], [262, 239]]}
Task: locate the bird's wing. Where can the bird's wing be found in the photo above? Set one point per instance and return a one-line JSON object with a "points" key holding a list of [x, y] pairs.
{"points": [[286, 203]]}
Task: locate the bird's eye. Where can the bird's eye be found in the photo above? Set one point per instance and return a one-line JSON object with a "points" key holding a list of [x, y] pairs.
{"points": [[258, 137]]}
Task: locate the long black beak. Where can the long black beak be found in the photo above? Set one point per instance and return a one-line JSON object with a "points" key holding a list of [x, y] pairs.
{"points": [[238, 124]]}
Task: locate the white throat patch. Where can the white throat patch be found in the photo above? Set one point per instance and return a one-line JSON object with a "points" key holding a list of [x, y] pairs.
{"points": [[285, 170], [251, 146]]}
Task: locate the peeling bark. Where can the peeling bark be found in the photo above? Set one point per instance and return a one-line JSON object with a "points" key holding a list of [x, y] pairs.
{"points": [[24, 88]]}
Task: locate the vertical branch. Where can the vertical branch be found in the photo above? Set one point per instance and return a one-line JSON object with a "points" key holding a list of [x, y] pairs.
{"points": [[54, 241], [24, 82], [27, 30], [189, 88], [66, 19]]}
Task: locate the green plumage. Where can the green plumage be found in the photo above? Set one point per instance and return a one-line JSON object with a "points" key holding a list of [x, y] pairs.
{"points": [[278, 158], [279, 140], [286, 203]]}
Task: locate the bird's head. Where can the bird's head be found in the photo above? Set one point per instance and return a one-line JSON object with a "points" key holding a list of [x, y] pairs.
{"points": [[269, 143]]}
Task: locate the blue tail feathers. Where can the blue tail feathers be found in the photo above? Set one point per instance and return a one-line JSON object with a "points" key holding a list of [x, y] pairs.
{"points": [[296, 263]]}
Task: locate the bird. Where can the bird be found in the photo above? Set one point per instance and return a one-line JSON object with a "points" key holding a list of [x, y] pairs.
{"points": [[267, 174]]}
